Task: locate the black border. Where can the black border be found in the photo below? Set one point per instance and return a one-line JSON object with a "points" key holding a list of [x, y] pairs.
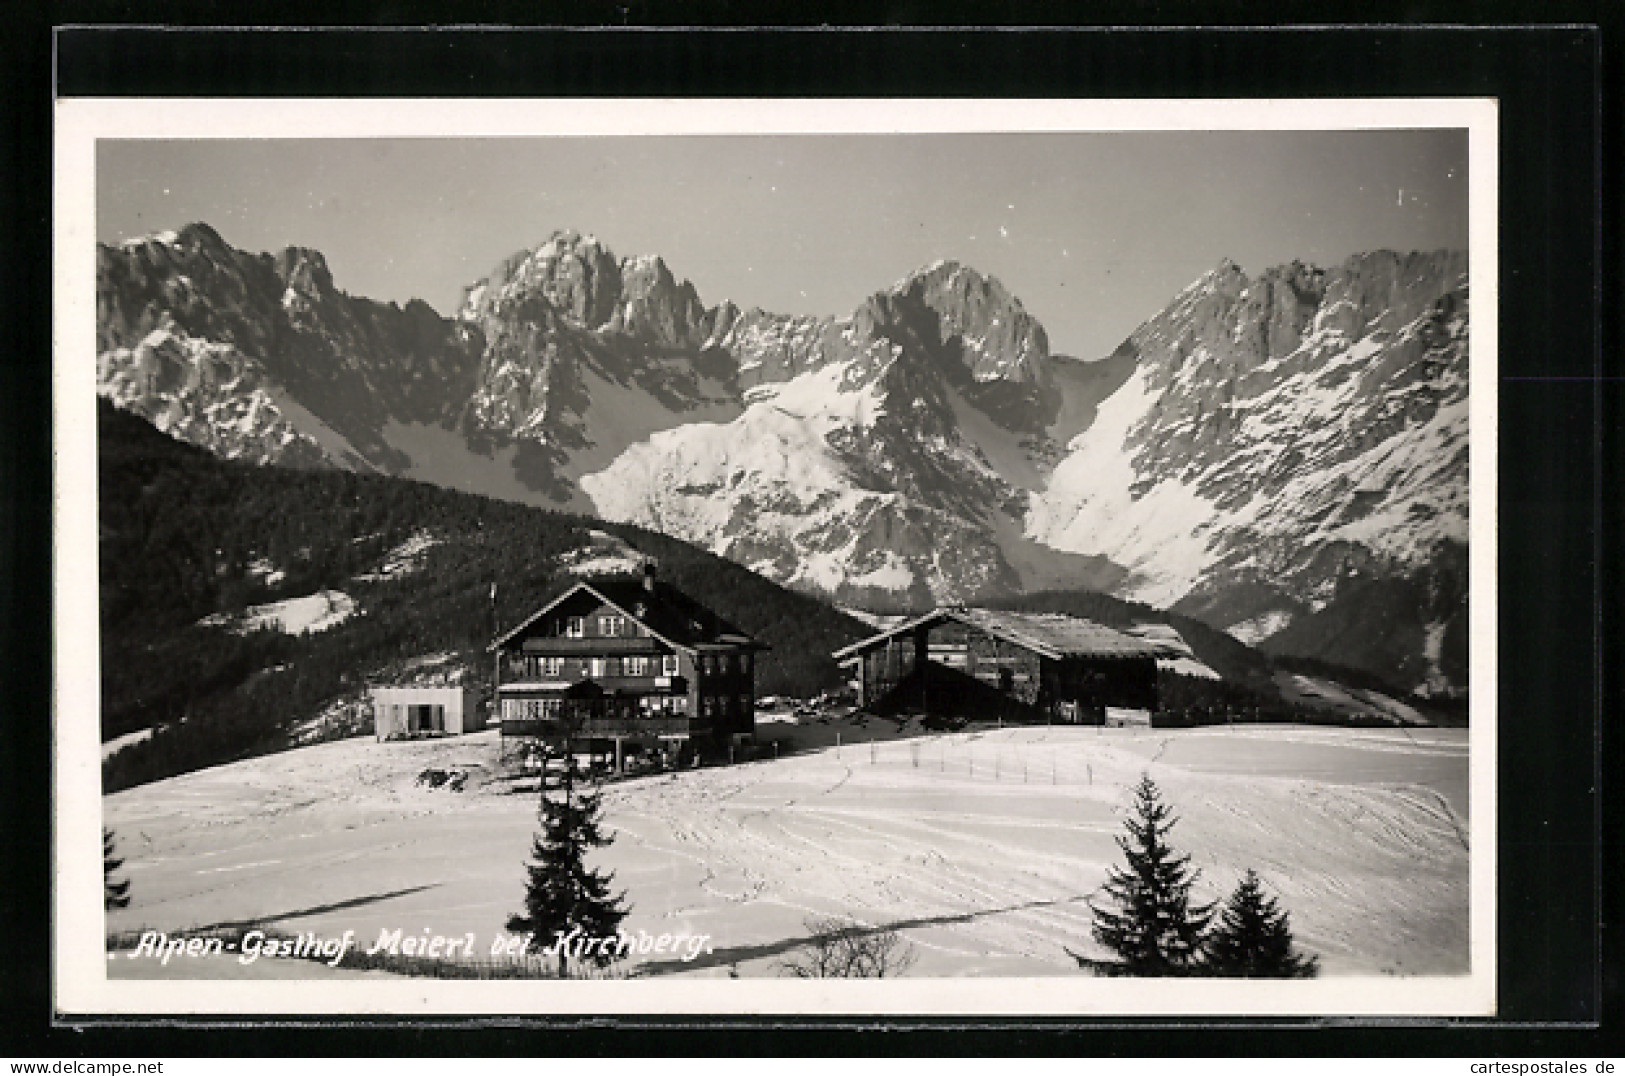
{"points": [[1560, 513]]}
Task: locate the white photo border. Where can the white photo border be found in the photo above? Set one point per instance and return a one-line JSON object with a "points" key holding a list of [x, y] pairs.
{"points": [[82, 987]]}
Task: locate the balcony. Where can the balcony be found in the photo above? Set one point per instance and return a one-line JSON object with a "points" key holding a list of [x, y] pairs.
{"points": [[606, 726], [612, 685], [590, 646]]}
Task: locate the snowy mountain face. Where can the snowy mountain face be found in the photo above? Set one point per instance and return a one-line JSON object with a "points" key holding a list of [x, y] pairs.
{"points": [[262, 357], [1261, 454], [1284, 445]]}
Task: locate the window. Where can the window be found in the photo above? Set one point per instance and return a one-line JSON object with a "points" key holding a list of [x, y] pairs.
{"points": [[575, 627], [595, 667], [637, 666], [668, 665], [612, 626], [552, 666], [425, 718]]}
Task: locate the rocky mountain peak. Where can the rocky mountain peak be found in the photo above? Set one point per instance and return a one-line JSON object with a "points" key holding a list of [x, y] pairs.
{"points": [[199, 236], [304, 271], [998, 338], [571, 272], [653, 305]]}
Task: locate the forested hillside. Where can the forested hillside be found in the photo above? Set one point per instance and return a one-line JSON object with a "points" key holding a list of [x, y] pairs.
{"points": [[190, 542]]}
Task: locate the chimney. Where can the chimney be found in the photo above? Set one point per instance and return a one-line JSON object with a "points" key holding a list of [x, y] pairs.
{"points": [[649, 576]]}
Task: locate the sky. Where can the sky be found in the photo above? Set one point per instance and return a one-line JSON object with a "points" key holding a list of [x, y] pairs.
{"points": [[1093, 232]]}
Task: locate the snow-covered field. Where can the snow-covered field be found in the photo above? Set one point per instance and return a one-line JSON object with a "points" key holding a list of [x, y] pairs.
{"points": [[980, 847]]}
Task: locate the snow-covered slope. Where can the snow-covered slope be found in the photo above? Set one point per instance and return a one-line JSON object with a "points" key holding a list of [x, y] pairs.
{"points": [[981, 848]]}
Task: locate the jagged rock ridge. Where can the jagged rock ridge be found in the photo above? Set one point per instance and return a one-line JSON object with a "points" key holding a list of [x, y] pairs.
{"points": [[1256, 453]]}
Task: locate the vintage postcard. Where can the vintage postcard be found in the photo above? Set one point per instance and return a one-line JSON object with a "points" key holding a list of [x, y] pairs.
{"points": [[753, 557]]}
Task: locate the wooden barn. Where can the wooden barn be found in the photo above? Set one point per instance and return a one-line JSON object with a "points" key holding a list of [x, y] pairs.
{"points": [[982, 662], [641, 665]]}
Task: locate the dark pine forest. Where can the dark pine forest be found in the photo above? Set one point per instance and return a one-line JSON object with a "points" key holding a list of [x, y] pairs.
{"points": [[185, 534]]}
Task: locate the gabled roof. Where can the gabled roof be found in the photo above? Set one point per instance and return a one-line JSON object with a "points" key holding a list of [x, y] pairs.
{"points": [[1054, 635], [668, 614]]}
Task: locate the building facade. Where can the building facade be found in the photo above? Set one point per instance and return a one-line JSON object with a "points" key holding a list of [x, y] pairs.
{"points": [[1043, 666], [412, 710], [645, 665]]}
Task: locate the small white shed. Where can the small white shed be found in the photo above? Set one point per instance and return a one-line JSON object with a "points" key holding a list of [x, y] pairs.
{"points": [[1122, 717], [405, 711]]}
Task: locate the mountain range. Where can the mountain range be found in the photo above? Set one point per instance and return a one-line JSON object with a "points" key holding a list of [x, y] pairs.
{"points": [[1282, 456]]}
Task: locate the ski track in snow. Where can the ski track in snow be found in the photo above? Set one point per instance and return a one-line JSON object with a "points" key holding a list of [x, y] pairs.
{"points": [[984, 846]]}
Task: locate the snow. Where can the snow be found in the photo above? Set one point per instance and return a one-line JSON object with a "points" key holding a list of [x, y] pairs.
{"points": [[604, 554], [775, 453], [441, 457], [1175, 654], [266, 572], [998, 446], [984, 845], [1328, 694], [165, 237], [1188, 667], [307, 425], [1088, 505], [893, 573], [1291, 464], [405, 559], [878, 621], [293, 616], [129, 739], [1435, 682], [1261, 627]]}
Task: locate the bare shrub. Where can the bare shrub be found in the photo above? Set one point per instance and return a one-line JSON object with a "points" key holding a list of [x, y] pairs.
{"points": [[836, 949]]}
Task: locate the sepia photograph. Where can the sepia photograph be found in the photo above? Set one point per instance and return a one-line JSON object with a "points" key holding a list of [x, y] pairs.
{"points": [[685, 556]]}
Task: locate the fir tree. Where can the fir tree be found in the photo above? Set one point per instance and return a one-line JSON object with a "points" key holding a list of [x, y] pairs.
{"points": [[115, 891], [1153, 928], [562, 895], [1254, 939]]}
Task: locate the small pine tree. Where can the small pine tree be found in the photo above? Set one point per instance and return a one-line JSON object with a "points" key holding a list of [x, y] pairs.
{"points": [[1253, 939], [1153, 928], [561, 893], [115, 891]]}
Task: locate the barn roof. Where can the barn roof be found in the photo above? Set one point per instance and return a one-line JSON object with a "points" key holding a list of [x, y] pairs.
{"points": [[670, 615], [1054, 635]]}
